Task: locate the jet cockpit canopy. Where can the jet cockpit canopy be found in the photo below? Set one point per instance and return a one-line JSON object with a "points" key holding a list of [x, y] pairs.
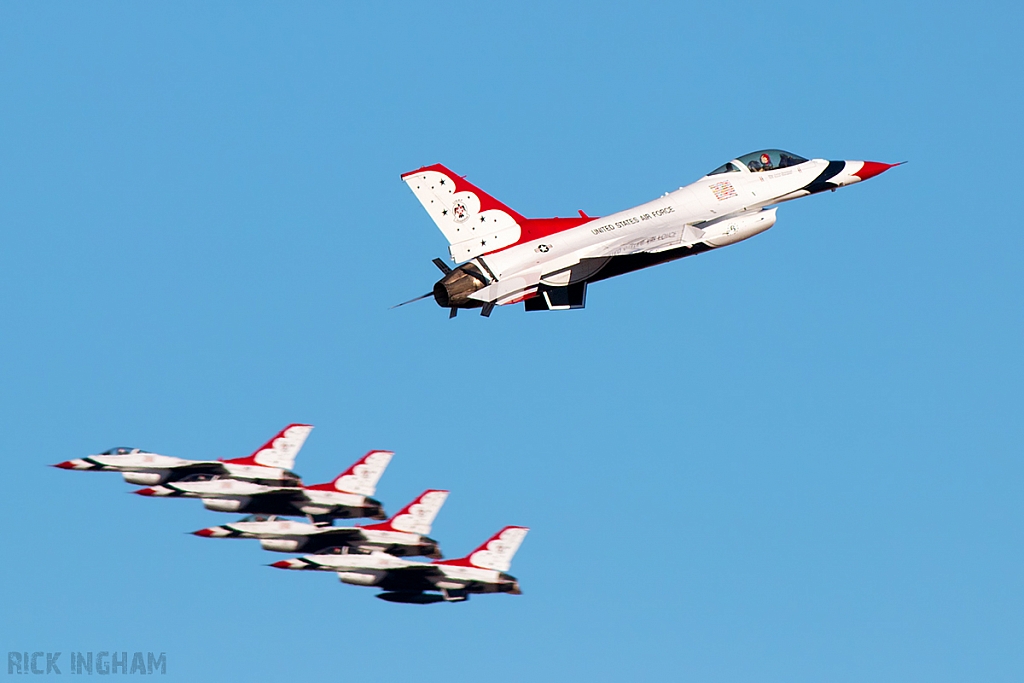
{"points": [[333, 550], [259, 518], [122, 450], [769, 160], [764, 160]]}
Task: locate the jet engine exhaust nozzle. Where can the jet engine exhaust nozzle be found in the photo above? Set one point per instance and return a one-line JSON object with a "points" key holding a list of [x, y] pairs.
{"points": [[453, 290]]}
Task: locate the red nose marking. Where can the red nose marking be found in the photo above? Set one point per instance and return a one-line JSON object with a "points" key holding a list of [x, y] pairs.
{"points": [[873, 168], [204, 533], [282, 564], [145, 492], [66, 465]]}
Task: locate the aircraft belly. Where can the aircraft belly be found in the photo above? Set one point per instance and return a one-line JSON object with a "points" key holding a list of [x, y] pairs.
{"points": [[270, 505], [620, 265], [579, 272], [405, 581]]}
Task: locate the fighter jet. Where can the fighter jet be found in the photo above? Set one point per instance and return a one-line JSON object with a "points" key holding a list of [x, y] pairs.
{"points": [[409, 581], [548, 262], [346, 497], [270, 465], [403, 535]]}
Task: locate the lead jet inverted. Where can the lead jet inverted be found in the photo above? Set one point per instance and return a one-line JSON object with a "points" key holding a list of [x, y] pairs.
{"points": [[403, 535], [548, 262], [271, 463], [348, 496], [409, 581]]}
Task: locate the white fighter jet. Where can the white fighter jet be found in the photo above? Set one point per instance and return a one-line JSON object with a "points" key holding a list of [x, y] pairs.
{"points": [[409, 581], [270, 464], [346, 497], [404, 535], [548, 262]]}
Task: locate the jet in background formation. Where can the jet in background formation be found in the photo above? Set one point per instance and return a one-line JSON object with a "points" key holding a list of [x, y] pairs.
{"points": [[405, 534], [547, 263], [347, 497], [370, 555], [270, 464], [409, 581]]}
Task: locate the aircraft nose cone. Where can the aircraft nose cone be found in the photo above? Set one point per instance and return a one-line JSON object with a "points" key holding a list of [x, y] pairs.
{"points": [[205, 533], [66, 465], [872, 168], [145, 492], [282, 564]]}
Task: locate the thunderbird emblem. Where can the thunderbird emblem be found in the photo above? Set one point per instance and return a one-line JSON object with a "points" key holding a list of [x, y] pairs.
{"points": [[459, 212]]}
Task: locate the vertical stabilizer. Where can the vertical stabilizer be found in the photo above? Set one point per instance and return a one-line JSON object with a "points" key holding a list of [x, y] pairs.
{"points": [[362, 477], [281, 450], [472, 221], [497, 552], [418, 516]]}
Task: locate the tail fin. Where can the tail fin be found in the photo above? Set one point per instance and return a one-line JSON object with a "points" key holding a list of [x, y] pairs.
{"points": [[497, 552], [472, 221], [281, 450], [416, 517], [362, 477]]}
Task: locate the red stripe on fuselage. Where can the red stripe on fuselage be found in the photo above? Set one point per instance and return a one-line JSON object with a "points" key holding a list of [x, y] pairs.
{"points": [[536, 228]]}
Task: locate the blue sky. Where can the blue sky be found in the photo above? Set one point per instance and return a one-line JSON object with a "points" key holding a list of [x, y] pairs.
{"points": [[795, 459]]}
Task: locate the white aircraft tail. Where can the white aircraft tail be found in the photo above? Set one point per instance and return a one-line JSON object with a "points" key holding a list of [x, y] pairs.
{"points": [[281, 450], [472, 221], [418, 516], [362, 477], [497, 552]]}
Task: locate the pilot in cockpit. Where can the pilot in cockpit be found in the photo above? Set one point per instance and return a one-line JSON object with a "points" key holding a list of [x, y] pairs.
{"points": [[762, 163]]}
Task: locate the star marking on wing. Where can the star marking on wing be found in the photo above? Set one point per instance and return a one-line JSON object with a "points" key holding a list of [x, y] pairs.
{"points": [[442, 181], [481, 219], [445, 212]]}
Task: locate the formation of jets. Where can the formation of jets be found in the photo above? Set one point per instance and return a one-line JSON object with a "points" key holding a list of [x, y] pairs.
{"points": [[504, 258], [264, 485], [547, 263]]}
